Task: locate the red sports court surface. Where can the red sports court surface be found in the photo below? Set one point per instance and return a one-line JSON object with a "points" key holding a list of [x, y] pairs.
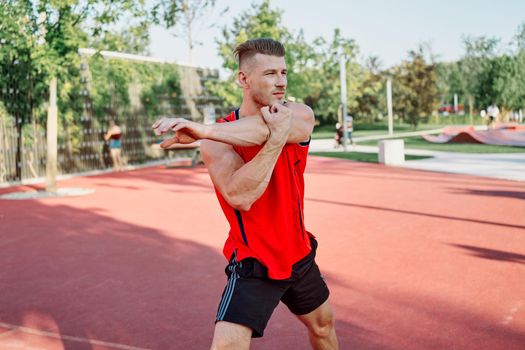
{"points": [[415, 260]]}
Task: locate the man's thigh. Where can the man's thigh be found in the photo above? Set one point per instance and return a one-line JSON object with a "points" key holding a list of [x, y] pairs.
{"points": [[248, 299], [308, 293]]}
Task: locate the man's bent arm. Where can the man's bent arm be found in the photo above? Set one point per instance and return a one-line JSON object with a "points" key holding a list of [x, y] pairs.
{"points": [[252, 130], [241, 184]]}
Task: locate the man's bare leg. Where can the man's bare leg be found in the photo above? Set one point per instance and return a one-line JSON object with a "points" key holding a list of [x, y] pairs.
{"points": [[231, 336], [321, 327]]}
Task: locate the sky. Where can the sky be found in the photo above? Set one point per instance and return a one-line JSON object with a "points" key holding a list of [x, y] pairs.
{"points": [[384, 28]]}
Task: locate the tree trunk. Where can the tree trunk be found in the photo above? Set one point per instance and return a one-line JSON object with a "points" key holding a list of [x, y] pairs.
{"points": [[470, 105], [19, 144]]}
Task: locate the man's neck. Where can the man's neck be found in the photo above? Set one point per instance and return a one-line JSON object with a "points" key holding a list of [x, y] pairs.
{"points": [[249, 108]]}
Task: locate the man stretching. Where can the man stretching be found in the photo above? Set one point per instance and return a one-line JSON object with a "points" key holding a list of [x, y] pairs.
{"points": [[256, 158]]}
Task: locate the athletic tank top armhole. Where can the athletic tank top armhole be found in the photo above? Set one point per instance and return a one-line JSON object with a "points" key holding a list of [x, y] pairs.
{"points": [[230, 117], [305, 143]]}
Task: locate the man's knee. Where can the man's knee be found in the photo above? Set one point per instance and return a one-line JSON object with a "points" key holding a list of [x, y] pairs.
{"points": [[229, 336], [227, 344], [224, 346], [320, 322], [324, 325]]}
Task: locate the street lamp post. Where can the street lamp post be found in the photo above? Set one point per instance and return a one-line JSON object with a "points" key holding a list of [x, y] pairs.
{"points": [[389, 106], [342, 65]]}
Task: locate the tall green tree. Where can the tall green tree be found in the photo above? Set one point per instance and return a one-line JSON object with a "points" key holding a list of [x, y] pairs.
{"points": [[20, 67], [327, 99], [519, 38], [509, 80], [44, 36], [134, 39], [370, 93], [509, 76], [488, 72], [476, 68], [40, 39], [415, 90], [450, 81]]}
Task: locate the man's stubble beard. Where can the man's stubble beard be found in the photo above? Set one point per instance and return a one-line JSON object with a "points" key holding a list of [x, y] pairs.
{"points": [[261, 100]]}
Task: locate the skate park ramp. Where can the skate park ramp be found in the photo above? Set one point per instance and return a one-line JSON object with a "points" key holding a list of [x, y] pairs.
{"points": [[503, 135]]}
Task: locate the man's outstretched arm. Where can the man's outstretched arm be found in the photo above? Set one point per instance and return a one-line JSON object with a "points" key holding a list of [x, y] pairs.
{"points": [[247, 131]]}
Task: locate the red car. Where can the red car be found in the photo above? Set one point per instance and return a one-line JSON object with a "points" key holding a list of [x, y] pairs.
{"points": [[447, 109]]}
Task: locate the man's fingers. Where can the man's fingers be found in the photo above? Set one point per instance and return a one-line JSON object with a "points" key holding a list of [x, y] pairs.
{"points": [[164, 124], [278, 107], [169, 142], [157, 123], [168, 124], [266, 112], [179, 126], [154, 126], [161, 128]]}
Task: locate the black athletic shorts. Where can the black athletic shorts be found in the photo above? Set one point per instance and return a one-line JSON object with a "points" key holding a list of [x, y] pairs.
{"points": [[250, 296]]}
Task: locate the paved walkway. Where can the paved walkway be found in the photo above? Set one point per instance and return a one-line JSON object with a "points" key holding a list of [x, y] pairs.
{"points": [[508, 166]]}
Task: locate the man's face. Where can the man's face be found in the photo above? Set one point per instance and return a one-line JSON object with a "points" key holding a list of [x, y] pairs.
{"points": [[266, 79]]}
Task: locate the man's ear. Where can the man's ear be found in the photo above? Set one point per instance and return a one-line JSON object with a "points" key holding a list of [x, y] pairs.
{"points": [[242, 79]]}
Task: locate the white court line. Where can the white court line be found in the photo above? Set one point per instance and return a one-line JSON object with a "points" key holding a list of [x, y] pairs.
{"points": [[508, 319], [9, 332], [68, 337]]}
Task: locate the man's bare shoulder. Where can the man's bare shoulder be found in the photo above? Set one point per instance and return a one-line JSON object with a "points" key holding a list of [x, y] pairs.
{"points": [[300, 109]]}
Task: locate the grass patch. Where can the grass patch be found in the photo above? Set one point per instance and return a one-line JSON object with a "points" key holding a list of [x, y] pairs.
{"points": [[359, 156], [378, 128], [420, 143], [323, 132], [328, 131]]}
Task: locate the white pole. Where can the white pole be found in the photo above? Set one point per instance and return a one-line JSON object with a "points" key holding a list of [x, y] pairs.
{"points": [[389, 106], [342, 65], [456, 103], [52, 123]]}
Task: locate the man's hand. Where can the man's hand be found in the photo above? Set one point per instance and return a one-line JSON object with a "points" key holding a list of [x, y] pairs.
{"points": [[279, 121], [185, 131]]}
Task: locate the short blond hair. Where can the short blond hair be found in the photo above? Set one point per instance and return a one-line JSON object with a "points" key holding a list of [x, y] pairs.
{"points": [[265, 46]]}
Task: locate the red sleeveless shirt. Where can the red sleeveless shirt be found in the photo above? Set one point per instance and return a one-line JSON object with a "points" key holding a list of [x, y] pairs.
{"points": [[273, 230]]}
